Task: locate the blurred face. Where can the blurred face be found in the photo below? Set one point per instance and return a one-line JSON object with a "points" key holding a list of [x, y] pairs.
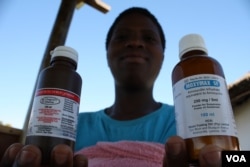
{"points": [[135, 52]]}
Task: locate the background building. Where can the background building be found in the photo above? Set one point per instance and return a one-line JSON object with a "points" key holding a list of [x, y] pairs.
{"points": [[239, 92]]}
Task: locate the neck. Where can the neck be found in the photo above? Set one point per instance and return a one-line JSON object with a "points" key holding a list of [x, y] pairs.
{"points": [[132, 104]]}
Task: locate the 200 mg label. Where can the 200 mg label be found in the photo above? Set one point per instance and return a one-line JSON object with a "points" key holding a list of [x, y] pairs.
{"points": [[202, 107]]}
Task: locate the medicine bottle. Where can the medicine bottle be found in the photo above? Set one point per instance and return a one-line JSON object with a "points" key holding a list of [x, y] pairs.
{"points": [[56, 103], [203, 109]]}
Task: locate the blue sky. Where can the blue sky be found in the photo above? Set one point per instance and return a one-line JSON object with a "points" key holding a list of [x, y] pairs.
{"points": [[25, 27]]}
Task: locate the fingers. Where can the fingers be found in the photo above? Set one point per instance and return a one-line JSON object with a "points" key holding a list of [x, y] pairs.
{"points": [[28, 156], [21, 156], [61, 156], [210, 156], [80, 161], [175, 153], [10, 155]]}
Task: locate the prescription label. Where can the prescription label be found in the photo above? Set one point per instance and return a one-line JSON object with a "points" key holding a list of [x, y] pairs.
{"points": [[202, 107], [54, 113]]}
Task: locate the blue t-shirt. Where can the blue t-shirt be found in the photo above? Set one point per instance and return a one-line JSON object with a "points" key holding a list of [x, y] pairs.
{"points": [[157, 126]]}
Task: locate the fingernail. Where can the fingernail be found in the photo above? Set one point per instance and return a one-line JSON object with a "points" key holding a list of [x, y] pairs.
{"points": [[60, 157], [81, 161], [212, 158], [174, 149], [13, 150], [27, 157]]}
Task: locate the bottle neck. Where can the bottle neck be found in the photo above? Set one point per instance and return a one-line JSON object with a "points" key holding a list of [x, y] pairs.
{"points": [[64, 61], [193, 53]]}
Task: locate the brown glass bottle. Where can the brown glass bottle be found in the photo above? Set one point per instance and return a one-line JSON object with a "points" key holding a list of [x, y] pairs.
{"points": [[195, 71], [55, 108]]}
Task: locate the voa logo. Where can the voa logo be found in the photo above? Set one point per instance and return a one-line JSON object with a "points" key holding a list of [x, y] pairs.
{"points": [[236, 158]]}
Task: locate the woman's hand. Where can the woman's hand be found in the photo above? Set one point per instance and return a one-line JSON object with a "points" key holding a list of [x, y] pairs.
{"points": [[30, 156], [176, 154]]}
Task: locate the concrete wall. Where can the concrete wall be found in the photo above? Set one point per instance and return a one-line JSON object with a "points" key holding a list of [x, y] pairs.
{"points": [[242, 118]]}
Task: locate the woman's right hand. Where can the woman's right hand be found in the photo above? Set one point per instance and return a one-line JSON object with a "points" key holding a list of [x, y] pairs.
{"points": [[176, 154], [19, 155]]}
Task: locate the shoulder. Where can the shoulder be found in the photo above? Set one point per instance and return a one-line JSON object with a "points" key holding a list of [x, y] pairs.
{"points": [[167, 109], [168, 106], [163, 114], [167, 114], [90, 114], [87, 120]]}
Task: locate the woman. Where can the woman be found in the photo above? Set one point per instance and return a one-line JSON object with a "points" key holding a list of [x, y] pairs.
{"points": [[135, 51]]}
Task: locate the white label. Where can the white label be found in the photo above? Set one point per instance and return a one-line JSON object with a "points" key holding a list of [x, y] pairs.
{"points": [[54, 113], [202, 107]]}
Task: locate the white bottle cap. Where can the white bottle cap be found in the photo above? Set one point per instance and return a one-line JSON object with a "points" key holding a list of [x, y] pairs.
{"points": [[191, 42], [65, 51]]}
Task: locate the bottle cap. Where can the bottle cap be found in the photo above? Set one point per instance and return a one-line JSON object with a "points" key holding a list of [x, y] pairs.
{"points": [[65, 51], [191, 42]]}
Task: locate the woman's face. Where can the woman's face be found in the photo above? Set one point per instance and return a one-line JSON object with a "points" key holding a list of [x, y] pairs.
{"points": [[135, 52]]}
